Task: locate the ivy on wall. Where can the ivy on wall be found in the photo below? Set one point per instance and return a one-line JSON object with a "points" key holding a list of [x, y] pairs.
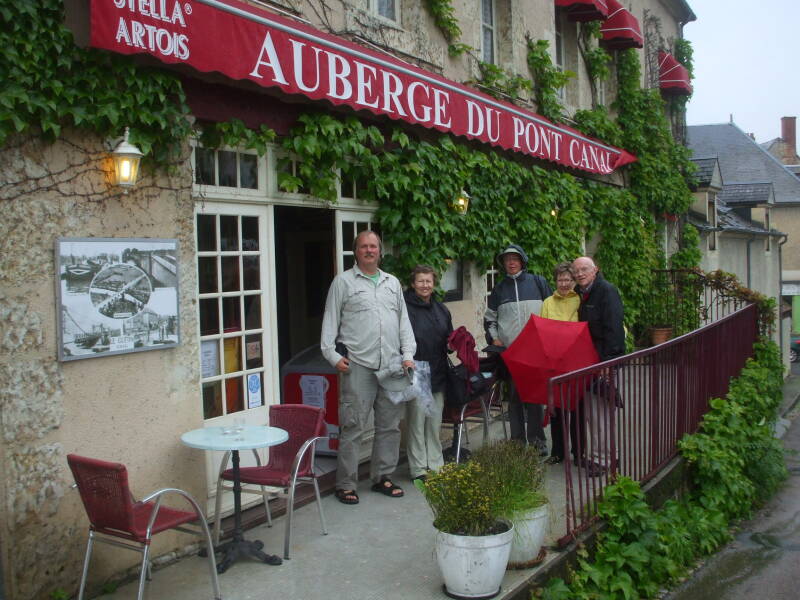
{"points": [[48, 83], [548, 79]]}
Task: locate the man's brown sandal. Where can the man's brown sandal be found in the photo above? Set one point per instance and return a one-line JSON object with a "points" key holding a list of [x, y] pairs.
{"points": [[346, 496], [387, 488]]}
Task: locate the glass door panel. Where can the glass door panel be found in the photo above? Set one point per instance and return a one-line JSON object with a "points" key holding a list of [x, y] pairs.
{"points": [[348, 225], [236, 341]]}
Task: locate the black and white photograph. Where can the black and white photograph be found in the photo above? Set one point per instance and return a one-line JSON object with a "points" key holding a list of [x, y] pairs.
{"points": [[116, 295]]}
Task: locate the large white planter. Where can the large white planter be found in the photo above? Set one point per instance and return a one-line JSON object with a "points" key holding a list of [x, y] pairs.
{"points": [[529, 531], [473, 566]]}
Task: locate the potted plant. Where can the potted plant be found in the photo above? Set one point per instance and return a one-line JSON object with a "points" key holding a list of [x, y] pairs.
{"points": [[472, 540], [517, 474], [662, 314]]}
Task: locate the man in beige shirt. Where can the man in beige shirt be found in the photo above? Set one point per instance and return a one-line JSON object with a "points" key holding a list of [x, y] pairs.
{"points": [[365, 313]]}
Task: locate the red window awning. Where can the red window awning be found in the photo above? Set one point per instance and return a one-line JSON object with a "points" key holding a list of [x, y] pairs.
{"points": [[621, 29], [673, 77], [584, 10]]}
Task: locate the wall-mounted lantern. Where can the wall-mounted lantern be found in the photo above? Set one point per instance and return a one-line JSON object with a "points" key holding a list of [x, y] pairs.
{"points": [[461, 203], [126, 158]]}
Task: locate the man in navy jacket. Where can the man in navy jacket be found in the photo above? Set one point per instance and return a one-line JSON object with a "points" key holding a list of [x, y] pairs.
{"points": [[601, 307], [510, 305]]}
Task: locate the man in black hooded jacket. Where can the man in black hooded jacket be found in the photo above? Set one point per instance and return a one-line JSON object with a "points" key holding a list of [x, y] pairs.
{"points": [[510, 305]]}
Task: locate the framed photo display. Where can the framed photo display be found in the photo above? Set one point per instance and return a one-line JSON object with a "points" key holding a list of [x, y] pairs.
{"points": [[116, 295]]}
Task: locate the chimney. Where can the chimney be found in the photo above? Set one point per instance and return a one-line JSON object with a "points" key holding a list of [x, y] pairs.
{"points": [[789, 137]]}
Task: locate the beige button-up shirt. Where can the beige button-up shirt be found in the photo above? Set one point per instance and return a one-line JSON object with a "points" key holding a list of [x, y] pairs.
{"points": [[370, 320]]}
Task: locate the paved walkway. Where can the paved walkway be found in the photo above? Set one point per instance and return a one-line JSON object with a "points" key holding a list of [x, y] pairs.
{"points": [[381, 549]]}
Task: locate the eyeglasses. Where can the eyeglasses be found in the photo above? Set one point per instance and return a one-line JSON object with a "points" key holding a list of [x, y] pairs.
{"points": [[570, 280]]}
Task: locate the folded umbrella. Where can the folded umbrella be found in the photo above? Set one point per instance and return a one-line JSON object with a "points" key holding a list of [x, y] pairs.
{"points": [[544, 349]]}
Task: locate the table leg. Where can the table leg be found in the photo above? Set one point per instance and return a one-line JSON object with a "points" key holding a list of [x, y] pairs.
{"points": [[238, 546]]}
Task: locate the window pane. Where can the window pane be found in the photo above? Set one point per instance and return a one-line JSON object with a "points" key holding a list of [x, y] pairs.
{"points": [[486, 12], [488, 45], [233, 354], [252, 312], [230, 273], [451, 280], [258, 400], [252, 276], [233, 395], [348, 190], [206, 233], [386, 9], [252, 349], [348, 233], [231, 319], [209, 316], [212, 400], [228, 233], [227, 168], [207, 274], [348, 262], [248, 171], [204, 166], [249, 233]]}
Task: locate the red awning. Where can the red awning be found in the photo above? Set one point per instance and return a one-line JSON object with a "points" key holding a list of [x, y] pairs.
{"points": [[621, 29], [584, 10], [673, 77], [245, 43]]}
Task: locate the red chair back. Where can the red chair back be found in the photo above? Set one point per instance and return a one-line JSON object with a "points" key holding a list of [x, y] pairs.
{"points": [[303, 422], [104, 490]]}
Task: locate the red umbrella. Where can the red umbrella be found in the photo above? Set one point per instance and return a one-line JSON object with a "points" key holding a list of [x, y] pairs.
{"points": [[546, 348]]}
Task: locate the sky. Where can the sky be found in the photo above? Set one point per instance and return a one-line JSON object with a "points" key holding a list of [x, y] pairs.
{"points": [[746, 63]]}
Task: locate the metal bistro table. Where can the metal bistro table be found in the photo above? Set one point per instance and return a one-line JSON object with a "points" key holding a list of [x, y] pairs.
{"points": [[252, 436]]}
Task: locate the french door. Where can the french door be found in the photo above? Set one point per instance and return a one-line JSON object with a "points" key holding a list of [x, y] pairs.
{"points": [[235, 286]]}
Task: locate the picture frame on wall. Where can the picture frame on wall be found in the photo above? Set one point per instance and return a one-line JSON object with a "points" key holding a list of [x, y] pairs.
{"points": [[116, 295]]}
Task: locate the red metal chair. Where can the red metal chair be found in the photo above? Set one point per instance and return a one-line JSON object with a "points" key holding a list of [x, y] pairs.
{"points": [[290, 464], [116, 519]]}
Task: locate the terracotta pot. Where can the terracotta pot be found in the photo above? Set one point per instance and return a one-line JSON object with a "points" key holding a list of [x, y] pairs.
{"points": [[659, 335]]}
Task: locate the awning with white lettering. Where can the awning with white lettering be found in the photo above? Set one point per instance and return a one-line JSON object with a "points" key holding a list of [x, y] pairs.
{"points": [[244, 42], [584, 10], [621, 29], [673, 77]]}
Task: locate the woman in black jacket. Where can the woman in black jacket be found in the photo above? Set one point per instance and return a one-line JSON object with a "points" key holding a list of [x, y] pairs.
{"points": [[432, 325]]}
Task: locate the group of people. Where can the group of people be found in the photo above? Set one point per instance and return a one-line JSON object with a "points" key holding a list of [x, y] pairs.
{"points": [[375, 334]]}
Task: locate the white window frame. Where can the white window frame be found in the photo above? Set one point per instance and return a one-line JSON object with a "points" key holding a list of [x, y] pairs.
{"points": [[491, 276], [205, 190], [374, 11], [491, 27]]}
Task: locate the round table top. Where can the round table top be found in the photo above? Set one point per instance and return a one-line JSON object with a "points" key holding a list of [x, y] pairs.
{"points": [[252, 436]]}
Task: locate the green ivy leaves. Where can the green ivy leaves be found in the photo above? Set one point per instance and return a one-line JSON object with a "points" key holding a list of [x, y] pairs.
{"points": [[48, 83], [736, 464]]}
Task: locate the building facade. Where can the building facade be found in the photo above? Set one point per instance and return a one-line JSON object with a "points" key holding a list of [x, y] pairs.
{"points": [[226, 269]]}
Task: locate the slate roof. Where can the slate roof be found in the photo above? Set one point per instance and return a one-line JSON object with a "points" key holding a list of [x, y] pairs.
{"points": [[746, 193], [742, 160], [705, 170]]}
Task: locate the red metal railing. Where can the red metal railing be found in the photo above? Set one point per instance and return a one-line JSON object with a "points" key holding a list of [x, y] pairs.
{"points": [[627, 414]]}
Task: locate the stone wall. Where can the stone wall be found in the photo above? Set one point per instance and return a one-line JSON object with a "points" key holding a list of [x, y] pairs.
{"points": [[119, 408]]}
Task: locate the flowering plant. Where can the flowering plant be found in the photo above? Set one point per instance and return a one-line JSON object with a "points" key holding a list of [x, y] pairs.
{"points": [[460, 501], [501, 481]]}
